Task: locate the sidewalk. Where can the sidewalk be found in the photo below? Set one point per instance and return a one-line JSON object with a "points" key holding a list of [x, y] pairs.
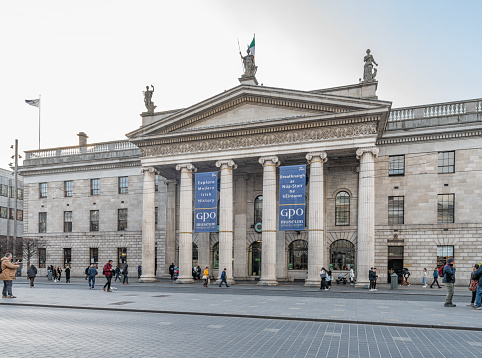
{"points": [[293, 302]]}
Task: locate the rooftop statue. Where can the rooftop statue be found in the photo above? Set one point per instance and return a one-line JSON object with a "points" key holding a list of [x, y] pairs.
{"points": [[248, 62], [369, 72], [148, 99]]}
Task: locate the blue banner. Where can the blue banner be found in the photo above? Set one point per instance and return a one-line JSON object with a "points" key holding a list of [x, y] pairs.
{"points": [[206, 202], [292, 182]]}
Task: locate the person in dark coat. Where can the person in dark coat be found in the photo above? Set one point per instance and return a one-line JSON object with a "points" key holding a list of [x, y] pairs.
{"points": [[139, 271], [91, 272], [31, 274], [435, 278], [449, 280], [125, 278], [59, 273], [372, 276], [171, 271], [477, 275], [87, 272], [67, 274], [117, 273]]}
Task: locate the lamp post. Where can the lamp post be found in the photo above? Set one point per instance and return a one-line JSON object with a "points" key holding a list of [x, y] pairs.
{"points": [[15, 198]]}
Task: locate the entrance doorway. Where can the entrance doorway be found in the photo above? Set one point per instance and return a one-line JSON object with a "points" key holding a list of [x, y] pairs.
{"points": [[254, 259], [395, 262]]}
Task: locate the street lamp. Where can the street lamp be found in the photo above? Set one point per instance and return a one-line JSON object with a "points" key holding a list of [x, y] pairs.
{"points": [[15, 198]]}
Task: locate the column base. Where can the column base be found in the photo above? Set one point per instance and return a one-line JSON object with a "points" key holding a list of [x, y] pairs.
{"points": [[147, 279], [185, 280], [268, 283], [312, 283], [359, 284]]}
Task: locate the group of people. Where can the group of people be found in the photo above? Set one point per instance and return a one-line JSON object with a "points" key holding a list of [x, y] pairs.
{"points": [[196, 272], [108, 271], [55, 273], [325, 276]]}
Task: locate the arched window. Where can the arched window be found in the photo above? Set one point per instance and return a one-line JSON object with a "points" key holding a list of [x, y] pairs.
{"points": [[258, 209], [254, 259], [216, 255], [195, 255], [342, 253], [298, 255], [342, 209]]}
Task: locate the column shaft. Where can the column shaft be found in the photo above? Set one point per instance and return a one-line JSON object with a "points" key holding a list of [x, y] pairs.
{"points": [[170, 226], [148, 226]]}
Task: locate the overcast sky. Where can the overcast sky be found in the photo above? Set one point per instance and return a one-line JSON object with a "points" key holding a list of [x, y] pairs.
{"points": [[90, 62]]}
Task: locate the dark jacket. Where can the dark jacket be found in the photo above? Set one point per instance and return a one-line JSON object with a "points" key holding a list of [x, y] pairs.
{"points": [[67, 273], [125, 271], [32, 271], [477, 275], [372, 275], [449, 273], [223, 275], [117, 271], [92, 272]]}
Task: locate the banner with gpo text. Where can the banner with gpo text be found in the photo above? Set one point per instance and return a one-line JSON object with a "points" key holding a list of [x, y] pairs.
{"points": [[206, 202], [292, 182]]}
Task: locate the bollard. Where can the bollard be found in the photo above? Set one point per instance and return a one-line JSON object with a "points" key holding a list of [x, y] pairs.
{"points": [[394, 281]]}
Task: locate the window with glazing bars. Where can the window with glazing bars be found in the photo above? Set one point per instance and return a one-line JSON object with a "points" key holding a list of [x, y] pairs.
{"points": [[68, 185], [94, 220], [395, 210], [123, 185], [342, 209], [445, 208], [43, 190], [94, 187], [396, 165], [42, 222], [67, 221], [122, 220], [446, 162]]}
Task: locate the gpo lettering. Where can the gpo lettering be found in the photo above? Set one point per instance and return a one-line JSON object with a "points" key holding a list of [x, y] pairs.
{"points": [[203, 216], [289, 213]]}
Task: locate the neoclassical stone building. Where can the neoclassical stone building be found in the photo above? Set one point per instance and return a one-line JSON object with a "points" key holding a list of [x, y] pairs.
{"points": [[384, 187]]}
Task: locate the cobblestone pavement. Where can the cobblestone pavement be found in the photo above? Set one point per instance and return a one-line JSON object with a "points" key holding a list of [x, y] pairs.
{"points": [[54, 332]]}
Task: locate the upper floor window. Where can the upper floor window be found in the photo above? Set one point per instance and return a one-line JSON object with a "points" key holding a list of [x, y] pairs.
{"points": [[94, 220], [258, 210], [396, 165], [156, 181], [43, 190], [342, 209], [67, 221], [20, 194], [19, 215], [42, 257], [42, 222], [395, 210], [122, 219], [445, 208], [3, 212], [94, 187], [123, 185], [11, 214], [446, 162], [68, 185], [3, 190]]}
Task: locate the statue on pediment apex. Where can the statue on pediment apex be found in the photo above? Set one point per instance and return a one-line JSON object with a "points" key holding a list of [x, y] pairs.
{"points": [[148, 99], [248, 63], [369, 73]]}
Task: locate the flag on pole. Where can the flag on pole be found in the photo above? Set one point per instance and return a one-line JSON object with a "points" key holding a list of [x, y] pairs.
{"points": [[251, 47], [33, 102]]}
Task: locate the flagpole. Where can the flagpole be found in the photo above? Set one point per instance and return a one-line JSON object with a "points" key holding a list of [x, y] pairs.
{"points": [[39, 102]]}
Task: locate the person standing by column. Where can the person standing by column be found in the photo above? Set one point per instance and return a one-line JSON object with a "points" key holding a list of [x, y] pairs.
{"points": [[449, 279], [435, 278], [31, 274], [424, 278], [139, 271], [8, 275], [206, 276], [91, 273], [108, 275], [371, 278], [223, 278], [171, 271]]}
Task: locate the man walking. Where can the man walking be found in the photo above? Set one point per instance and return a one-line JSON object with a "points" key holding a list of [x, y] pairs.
{"points": [[8, 275], [117, 273], [435, 278], [223, 278], [171, 271], [478, 296], [108, 275], [92, 272], [449, 279]]}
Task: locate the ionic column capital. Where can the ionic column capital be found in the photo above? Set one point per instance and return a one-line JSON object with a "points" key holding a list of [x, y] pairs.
{"points": [[151, 170], [373, 150], [316, 156], [271, 160], [226, 164], [186, 167]]}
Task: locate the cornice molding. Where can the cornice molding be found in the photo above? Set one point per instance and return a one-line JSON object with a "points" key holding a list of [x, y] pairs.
{"points": [[80, 169], [429, 137]]}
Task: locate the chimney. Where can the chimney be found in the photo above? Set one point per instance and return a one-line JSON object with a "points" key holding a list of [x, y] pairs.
{"points": [[82, 139]]}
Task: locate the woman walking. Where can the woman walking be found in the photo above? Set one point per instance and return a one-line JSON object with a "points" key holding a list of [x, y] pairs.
{"points": [[473, 285], [59, 273], [424, 278], [67, 274], [206, 276], [31, 274], [125, 279], [435, 278]]}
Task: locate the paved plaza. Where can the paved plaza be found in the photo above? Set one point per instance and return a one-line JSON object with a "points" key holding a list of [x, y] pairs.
{"points": [[168, 320]]}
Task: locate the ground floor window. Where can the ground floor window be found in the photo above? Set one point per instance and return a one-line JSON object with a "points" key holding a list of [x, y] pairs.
{"points": [[298, 255], [342, 253], [443, 254], [254, 259], [67, 257], [122, 256], [42, 257], [94, 256], [195, 255], [216, 255]]}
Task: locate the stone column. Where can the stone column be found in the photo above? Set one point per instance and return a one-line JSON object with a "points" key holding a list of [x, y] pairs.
{"points": [[240, 252], [185, 223], [148, 226], [226, 219], [366, 213], [170, 225], [268, 237], [316, 230]]}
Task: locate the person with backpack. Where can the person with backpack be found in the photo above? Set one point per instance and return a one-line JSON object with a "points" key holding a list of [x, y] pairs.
{"points": [[477, 275], [223, 278], [108, 275], [31, 274], [435, 278], [473, 284], [406, 275], [125, 272], [449, 280], [91, 272]]}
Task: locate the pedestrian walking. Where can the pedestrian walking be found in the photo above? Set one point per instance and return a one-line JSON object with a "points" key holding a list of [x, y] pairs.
{"points": [[372, 277], [8, 275], [108, 270], [91, 273], [125, 278], [139, 271], [59, 273], [435, 278], [223, 278], [449, 279], [117, 272], [54, 273], [473, 285], [198, 272], [328, 278], [206, 276], [477, 275], [424, 278], [352, 276], [194, 273], [323, 285], [31, 274], [171, 271], [87, 272], [67, 274]]}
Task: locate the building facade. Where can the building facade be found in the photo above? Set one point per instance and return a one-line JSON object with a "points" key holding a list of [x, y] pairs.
{"points": [[385, 187]]}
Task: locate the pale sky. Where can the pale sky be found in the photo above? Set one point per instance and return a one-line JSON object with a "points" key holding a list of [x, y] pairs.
{"points": [[91, 61]]}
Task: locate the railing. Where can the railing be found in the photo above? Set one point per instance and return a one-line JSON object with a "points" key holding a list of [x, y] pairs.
{"points": [[401, 115], [92, 148], [445, 110]]}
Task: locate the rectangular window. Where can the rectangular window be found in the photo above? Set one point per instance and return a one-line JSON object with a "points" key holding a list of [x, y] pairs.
{"points": [[443, 254], [11, 213], [122, 256], [42, 222], [94, 220], [19, 194], [43, 190], [67, 257], [156, 212], [68, 186], [156, 181], [123, 185], [94, 256], [446, 162], [3, 212], [395, 210], [42, 258], [396, 165], [445, 208], [94, 187], [67, 221], [11, 192], [3, 190], [122, 219], [19, 215]]}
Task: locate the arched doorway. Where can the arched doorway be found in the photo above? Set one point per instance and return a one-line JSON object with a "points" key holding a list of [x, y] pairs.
{"points": [[342, 254], [254, 259], [298, 255]]}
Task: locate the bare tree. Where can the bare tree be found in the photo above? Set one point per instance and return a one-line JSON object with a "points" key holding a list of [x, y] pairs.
{"points": [[30, 248]]}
